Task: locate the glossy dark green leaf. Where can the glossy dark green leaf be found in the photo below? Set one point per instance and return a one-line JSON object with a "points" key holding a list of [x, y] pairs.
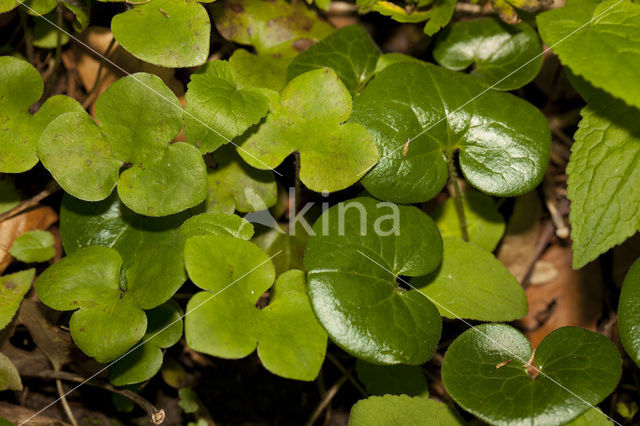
{"points": [[109, 299], [350, 52], [471, 283], [169, 33], [607, 30], [308, 119], [13, 287], [392, 379], [33, 246], [578, 369], [503, 141], [505, 57], [361, 246], [402, 410], [223, 321], [160, 178], [629, 313]]}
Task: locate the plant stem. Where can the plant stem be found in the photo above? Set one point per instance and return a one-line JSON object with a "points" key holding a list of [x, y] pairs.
{"points": [[327, 399], [343, 370], [65, 403], [28, 36], [91, 92], [51, 188], [457, 196]]}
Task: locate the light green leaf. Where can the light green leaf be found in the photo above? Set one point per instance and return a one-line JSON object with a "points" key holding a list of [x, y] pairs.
{"points": [[503, 141], [212, 223], [39, 7], [578, 369], [164, 329], [7, 5], [9, 376], [272, 64], [350, 52], [214, 98], [392, 379], [505, 57], [289, 245], [188, 400], [629, 313], [234, 185], [20, 87], [33, 246], [592, 417], [308, 119], [13, 287], [473, 284], [439, 15], [169, 33], [110, 301], [402, 410], [485, 224], [223, 321], [45, 35], [608, 30], [85, 159], [359, 249], [9, 197], [81, 10], [604, 156]]}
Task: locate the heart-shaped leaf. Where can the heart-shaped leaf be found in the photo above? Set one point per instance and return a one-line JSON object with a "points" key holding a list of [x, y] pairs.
{"points": [[33, 246], [110, 299], [169, 33], [473, 284], [234, 185], [578, 369], [629, 313], [13, 287], [359, 249], [485, 224], [402, 410], [164, 329], [224, 321], [308, 119], [20, 87], [86, 158], [350, 52], [607, 30], [392, 379], [416, 112], [214, 98], [498, 51]]}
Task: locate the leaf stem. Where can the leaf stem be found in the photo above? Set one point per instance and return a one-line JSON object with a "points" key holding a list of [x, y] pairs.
{"points": [[92, 91], [28, 35], [343, 370], [65, 403], [457, 195], [327, 399]]}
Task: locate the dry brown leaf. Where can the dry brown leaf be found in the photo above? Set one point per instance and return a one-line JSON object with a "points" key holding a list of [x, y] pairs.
{"points": [[562, 296], [17, 414], [38, 218]]}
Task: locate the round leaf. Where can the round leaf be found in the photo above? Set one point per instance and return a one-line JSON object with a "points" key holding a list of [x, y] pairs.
{"points": [[33, 246], [578, 369], [359, 249], [402, 410], [629, 313]]}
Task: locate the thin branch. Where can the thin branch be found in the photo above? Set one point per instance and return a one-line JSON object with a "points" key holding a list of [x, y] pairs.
{"points": [[327, 399], [65, 403], [343, 370], [27, 204], [91, 92]]}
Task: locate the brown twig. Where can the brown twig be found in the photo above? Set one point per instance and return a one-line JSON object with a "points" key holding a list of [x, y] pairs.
{"points": [[26, 204], [65, 403], [327, 399], [343, 370], [89, 98]]}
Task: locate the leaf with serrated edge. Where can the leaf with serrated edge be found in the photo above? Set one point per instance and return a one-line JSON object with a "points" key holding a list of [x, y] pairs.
{"points": [[402, 410]]}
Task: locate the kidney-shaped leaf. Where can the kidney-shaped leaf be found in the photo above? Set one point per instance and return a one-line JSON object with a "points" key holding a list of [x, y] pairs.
{"points": [[503, 141], [607, 30], [471, 283], [224, 321], [109, 300], [505, 57], [359, 249], [309, 119], [139, 116], [169, 33], [629, 313], [20, 87], [13, 287], [33, 246], [578, 369], [402, 410]]}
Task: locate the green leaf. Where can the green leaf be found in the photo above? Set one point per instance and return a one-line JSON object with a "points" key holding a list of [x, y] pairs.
{"points": [[33, 246], [629, 313], [387, 59], [359, 249], [223, 321], [214, 98], [164, 329], [212, 223], [471, 283], [9, 376], [592, 417], [349, 51], [188, 400], [9, 197], [110, 300], [40, 7], [608, 30], [13, 287], [503, 140], [7, 5], [265, 25], [307, 119], [234, 185], [392, 379], [169, 33], [604, 156], [402, 410], [271, 63], [504, 56], [45, 35], [485, 224], [578, 369], [20, 87], [289, 245], [81, 10], [85, 159]]}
